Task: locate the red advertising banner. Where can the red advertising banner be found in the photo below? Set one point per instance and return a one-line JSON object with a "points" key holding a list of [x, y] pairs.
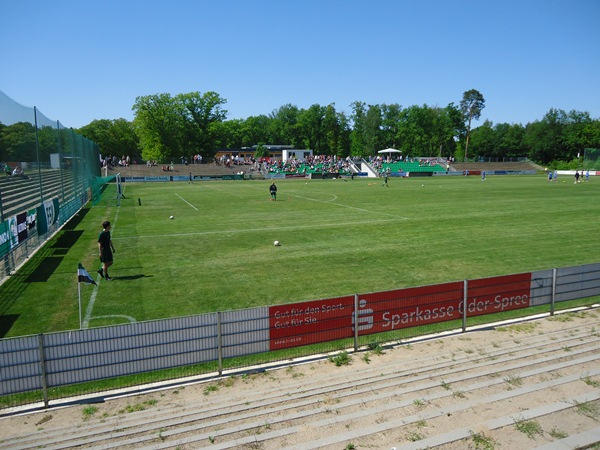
{"points": [[325, 320], [311, 322], [411, 307], [498, 294]]}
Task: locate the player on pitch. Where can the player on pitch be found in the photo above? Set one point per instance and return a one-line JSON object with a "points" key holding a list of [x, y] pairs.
{"points": [[105, 250]]}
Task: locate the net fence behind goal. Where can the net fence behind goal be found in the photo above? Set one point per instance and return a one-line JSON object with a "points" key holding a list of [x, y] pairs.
{"points": [[591, 159]]}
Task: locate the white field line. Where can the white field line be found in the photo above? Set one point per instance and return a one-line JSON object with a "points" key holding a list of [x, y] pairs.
{"points": [[187, 202], [341, 205], [331, 202], [90, 307], [262, 230]]}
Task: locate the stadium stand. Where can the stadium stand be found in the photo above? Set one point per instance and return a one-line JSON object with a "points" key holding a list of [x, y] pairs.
{"points": [[18, 194]]}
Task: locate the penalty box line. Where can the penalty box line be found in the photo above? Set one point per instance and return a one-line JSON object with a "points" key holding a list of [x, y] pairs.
{"points": [[186, 201]]}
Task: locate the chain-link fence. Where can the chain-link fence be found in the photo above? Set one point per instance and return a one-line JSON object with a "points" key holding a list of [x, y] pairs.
{"points": [[48, 172]]}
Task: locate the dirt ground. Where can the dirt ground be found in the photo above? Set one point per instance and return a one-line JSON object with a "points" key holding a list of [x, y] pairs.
{"points": [[436, 412]]}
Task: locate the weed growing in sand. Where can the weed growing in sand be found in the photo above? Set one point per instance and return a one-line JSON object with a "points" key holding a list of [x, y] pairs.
{"points": [[561, 318], [593, 383], [419, 402], [588, 409], [529, 427], [210, 388], [482, 442], [138, 406], [341, 359], [414, 436], [527, 327], [514, 381], [89, 411], [376, 349], [558, 434]]}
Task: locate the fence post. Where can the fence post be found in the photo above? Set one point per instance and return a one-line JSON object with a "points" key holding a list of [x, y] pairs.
{"points": [[220, 343], [465, 294], [43, 369], [553, 291], [355, 322]]}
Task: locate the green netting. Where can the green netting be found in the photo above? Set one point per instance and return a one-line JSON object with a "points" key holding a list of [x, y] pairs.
{"points": [[591, 159], [98, 187], [42, 163]]}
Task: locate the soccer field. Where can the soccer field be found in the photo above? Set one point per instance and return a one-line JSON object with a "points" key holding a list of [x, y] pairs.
{"points": [[338, 237]]}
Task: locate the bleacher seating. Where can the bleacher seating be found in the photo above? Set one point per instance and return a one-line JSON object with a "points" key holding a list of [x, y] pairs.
{"points": [[414, 166], [21, 194]]}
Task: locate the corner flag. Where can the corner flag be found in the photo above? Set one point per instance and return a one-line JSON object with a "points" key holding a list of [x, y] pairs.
{"points": [[84, 276]]}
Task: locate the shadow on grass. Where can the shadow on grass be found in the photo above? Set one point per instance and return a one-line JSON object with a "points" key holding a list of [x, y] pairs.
{"points": [[6, 323], [132, 277]]}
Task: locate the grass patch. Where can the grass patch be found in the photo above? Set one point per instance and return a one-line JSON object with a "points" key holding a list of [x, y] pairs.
{"points": [[89, 411], [514, 381], [530, 428], [229, 227], [588, 409], [341, 359], [482, 442]]}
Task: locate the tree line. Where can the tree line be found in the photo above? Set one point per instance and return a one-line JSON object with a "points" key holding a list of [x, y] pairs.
{"points": [[166, 127]]}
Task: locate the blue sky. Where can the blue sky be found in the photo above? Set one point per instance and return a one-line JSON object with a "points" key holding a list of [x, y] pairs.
{"points": [[81, 60]]}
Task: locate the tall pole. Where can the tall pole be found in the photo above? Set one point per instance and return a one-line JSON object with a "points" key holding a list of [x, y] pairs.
{"points": [[79, 297], [37, 153]]}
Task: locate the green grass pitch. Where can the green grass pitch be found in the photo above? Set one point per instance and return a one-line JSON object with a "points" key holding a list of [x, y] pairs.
{"points": [[338, 237]]}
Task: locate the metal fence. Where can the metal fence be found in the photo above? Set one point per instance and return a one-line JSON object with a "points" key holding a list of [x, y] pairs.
{"points": [[51, 366], [47, 175]]}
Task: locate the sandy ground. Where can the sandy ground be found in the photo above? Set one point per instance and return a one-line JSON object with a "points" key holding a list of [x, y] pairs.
{"points": [[431, 407]]}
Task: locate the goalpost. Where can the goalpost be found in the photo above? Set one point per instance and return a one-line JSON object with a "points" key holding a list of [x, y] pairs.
{"points": [[119, 189], [101, 184], [591, 159]]}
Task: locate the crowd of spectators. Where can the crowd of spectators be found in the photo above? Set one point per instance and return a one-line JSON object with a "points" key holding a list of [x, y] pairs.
{"points": [[312, 164], [13, 172], [114, 161]]}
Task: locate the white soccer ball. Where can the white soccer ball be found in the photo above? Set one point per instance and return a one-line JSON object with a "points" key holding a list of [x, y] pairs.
{"points": [[172, 217], [276, 244]]}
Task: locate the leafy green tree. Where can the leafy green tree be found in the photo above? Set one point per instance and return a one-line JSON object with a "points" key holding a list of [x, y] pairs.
{"points": [[390, 121], [471, 106], [284, 126], [261, 151], [509, 140], [228, 134], [198, 113], [158, 127], [373, 134], [483, 140], [255, 130], [312, 125], [114, 137], [17, 142], [357, 136], [545, 137]]}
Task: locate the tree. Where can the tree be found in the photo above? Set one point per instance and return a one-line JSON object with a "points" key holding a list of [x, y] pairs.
{"points": [[357, 136], [158, 127], [198, 113], [471, 105], [114, 137], [390, 119], [17, 142], [283, 127]]}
